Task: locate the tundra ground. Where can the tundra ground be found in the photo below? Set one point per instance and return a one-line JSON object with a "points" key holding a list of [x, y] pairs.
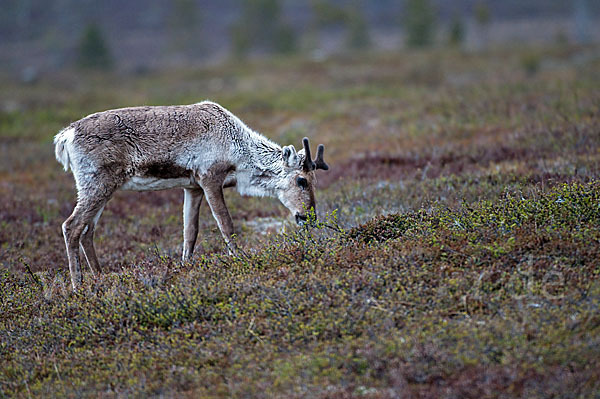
{"points": [[456, 255]]}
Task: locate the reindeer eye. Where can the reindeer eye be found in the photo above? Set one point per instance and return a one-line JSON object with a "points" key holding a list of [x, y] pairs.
{"points": [[302, 182]]}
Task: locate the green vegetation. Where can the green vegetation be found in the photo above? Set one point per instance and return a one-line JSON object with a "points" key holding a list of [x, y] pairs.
{"points": [[531, 63], [358, 31], [93, 50], [483, 17], [456, 35], [185, 23], [419, 23], [482, 13], [261, 26], [327, 15], [455, 254]]}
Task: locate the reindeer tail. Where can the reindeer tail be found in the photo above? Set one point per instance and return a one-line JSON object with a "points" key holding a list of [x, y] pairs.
{"points": [[62, 144]]}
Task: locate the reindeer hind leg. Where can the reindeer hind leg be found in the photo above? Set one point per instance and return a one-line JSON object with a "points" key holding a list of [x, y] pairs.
{"points": [[191, 208], [86, 243], [78, 229]]}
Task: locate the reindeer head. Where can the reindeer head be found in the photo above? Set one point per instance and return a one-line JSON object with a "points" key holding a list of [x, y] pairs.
{"points": [[297, 191]]}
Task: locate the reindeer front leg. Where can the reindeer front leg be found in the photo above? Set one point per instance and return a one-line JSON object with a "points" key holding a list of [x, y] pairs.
{"points": [[192, 199], [212, 184], [216, 201]]}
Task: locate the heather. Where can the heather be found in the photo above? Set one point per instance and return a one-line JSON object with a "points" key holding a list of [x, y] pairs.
{"points": [[454, 254]]}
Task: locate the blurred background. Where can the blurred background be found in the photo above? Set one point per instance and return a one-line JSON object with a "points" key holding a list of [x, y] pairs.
{"points": [[137, 36], [475, 121]]}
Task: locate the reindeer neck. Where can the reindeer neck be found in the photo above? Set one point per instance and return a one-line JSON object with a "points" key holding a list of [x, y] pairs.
{"points": [[259, 167]]}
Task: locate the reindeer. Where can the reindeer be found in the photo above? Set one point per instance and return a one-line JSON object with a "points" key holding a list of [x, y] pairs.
{"points": [[201, 148]]}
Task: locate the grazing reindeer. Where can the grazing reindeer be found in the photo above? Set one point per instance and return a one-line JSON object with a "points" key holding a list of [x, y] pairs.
{"points": [[201, 148]]}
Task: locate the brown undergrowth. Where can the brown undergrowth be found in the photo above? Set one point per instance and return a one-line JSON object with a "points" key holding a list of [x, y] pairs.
{"points": [[455, 255]]}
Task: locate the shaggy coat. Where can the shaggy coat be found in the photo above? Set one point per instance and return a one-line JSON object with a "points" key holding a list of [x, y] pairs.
{"points": [[200, 147]]}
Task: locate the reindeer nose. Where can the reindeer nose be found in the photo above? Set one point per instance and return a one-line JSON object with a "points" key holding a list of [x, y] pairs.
{"points": [[300, 219]]}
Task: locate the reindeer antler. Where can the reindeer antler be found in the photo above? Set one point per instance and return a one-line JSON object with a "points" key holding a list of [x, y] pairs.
{"points": [[308, 163], [318, 163]]}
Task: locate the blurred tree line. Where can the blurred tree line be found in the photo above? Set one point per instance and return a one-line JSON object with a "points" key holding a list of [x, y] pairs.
{"points": [[194, 28], [261, 25]]}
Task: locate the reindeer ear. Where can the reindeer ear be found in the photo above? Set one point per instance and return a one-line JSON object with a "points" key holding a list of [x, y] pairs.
{"points": [[289, 156], [301, 154]]}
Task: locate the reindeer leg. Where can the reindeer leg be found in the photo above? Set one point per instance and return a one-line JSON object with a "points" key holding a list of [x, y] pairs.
{"points": [[212, 183], [75, 225], [70, 230], [192, 198], [78, 229], [216, 201], [87, 244]]}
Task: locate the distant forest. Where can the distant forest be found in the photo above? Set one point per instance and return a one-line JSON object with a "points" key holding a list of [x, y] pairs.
{"points": [[54, 33]]}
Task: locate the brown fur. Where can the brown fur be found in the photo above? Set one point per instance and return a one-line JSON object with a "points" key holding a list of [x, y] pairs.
{"points": [[201, 148]]}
